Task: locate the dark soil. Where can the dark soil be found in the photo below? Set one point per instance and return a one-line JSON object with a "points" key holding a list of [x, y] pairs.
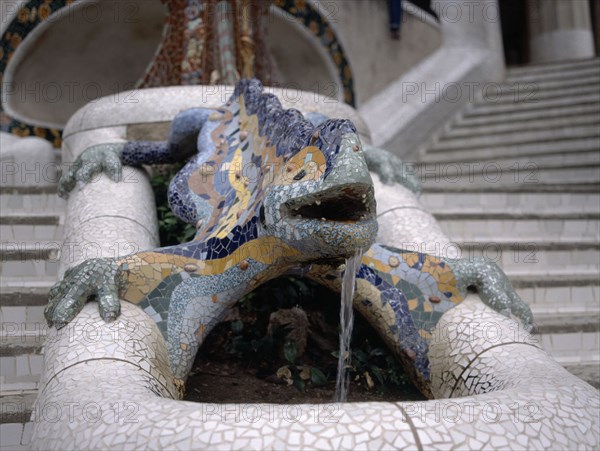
{"points": [[222, 382], [265, 351]]}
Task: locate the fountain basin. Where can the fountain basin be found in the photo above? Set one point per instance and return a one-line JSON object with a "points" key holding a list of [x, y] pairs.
{"points": [[493, 390]]}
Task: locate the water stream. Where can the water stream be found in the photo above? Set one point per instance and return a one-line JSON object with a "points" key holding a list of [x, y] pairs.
{"points": [[346, 324]]}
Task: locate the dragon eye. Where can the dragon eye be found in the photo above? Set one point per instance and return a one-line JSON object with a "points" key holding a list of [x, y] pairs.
{"points": [[300, 175]]}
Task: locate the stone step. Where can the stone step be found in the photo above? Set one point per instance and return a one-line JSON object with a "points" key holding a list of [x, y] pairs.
{"points": [[487, 227], [533, 92], [588, 77], [572, 348], [522, 215], [19, 344], [492, 173], [29, 261], [30, 161], [23, 327], [20, 227], [574, 159], [562, 323], [588, 371], [561, 77], [547, 70], [23, 292], [22, 322], [16, 435], [23, 251], [16, 408], [462, 130], [29, 219], [22, 333], [537, 258], [493, 109], [526, 117], [21, 363], [552, 277], [446, 142], [26, 284], [27, 199], [557, 189], [561, 299], [532, 148], [553, 67], [28, 189], [573, 339], [510, 201]]}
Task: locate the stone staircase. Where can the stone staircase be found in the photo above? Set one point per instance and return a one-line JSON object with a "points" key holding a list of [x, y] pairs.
{"points": [[31, 229], [515, 176]]}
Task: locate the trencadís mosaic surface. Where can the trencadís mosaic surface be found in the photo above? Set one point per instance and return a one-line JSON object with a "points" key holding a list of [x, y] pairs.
{"points": [[177, 60], [269, 191]]}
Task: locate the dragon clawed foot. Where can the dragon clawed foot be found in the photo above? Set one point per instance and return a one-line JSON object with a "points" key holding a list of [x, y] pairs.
{"points": [[493, 287], [93, 161], [96, 278]]}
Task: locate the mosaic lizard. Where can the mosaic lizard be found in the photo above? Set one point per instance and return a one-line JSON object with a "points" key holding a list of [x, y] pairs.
{"points": [[270, 192]]}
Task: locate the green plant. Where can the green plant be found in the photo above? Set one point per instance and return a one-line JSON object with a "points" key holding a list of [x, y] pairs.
{"points": [[299, 375], [375, 367], [171, 229]]}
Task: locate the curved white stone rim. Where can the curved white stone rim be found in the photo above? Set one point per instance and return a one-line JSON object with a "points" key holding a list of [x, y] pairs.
{"points": [[107, 386]]}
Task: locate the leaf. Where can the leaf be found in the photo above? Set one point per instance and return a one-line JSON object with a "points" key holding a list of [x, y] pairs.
{"points": [[188, 233], [360, 356], [377, 352], [305, 373], [317, 377], [237, 326], [377, 373], [370, 383], [285, 374], [299, 384], [289, 352]]}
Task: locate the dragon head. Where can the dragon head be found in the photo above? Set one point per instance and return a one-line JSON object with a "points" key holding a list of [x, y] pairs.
{"points": [[321, 200]]}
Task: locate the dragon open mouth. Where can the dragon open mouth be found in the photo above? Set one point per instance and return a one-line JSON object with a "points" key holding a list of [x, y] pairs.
{"points": [[347, 203]]}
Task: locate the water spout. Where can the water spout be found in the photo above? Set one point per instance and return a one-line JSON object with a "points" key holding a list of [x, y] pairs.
{"points": [[346, 325]]}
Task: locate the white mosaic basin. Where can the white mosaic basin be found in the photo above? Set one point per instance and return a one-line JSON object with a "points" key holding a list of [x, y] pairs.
{"points": [[109, 386]]}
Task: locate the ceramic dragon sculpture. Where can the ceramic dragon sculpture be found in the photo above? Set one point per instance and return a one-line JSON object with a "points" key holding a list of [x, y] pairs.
{"points": [[270, 192]]}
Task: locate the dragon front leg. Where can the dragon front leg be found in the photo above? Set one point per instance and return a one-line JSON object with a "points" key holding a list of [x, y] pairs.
{"points": [[109, 158], [173, 290], [493, 287]]}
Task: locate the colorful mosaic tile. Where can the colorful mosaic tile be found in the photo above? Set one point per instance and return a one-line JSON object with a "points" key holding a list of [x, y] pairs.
{"points": [[269, 192], [180, 37]]}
